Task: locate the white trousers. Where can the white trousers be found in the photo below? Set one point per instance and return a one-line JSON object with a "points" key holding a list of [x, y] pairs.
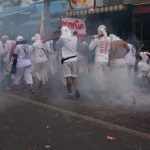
{"points": [[25, 72], [119, 78], [40, 72], [101, 74]]}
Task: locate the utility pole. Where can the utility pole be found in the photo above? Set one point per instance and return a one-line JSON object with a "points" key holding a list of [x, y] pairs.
{"points": [[47, 27]]}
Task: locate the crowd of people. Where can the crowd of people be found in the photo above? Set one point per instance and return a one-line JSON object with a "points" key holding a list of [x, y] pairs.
{"points": [[115, 60]]}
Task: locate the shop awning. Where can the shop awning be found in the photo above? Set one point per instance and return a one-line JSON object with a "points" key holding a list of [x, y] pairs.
{"points": [[13, 11], [102, 9], [55, 7]]}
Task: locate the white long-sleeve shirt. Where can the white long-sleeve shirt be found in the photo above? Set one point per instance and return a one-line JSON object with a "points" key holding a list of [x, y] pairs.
{"points": [[68, 47], [1, 50], [49, 47], [6, 50], [23, 58], [130, 56], [102, 47], [39, 52], [143, 66]]}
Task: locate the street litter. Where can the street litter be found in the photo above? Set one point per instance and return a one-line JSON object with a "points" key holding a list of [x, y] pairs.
{"points": [[111, 138], [47, 146]]}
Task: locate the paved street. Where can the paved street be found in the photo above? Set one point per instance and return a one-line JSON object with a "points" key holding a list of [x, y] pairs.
{"points": [[74, 75], [37, 123]]}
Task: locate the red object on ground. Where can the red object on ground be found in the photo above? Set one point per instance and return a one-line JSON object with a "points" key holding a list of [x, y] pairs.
{"points": [[111, 138]]}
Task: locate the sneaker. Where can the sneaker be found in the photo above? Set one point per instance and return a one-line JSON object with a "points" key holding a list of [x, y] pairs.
{"points": [[77, 94]]}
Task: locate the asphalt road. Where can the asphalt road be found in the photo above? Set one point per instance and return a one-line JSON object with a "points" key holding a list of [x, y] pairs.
{"points": [[31, 123]]}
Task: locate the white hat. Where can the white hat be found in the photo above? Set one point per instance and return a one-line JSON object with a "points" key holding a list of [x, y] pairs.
{"points": [[19, 38], [4, 37], [37, 36], [33, 39], [51, 41]]}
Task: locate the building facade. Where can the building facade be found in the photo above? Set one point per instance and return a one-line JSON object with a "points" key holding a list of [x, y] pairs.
{"points": [[122, 17], [26, 18]]}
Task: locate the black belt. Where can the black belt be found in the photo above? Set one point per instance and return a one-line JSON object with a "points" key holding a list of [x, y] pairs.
{"points": [[64, 59]]}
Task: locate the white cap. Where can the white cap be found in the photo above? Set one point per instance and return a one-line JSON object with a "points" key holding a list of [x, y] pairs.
{"points": [[4, 37], [51, 41], [37, 36], [19, 38], [33, 39]]}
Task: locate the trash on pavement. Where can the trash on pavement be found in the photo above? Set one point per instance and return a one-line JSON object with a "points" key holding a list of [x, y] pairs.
{"points": [[47, 146], [111, 138]]}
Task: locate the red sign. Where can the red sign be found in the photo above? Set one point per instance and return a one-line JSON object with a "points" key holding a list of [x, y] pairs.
{"points": [[75, 25]]}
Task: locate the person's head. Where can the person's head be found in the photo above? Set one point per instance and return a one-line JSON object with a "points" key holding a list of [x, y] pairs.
{"points": [[4, 38], [144, 56], [102, 31], [37, 37], [113, 37], [33, 39], [19, 38], [75, 33], [66, 32]]}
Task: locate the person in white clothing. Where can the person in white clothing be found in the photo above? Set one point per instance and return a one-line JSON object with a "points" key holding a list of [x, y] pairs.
{"points": [[40, 61], [101, 45], [6, 60], [143, 70], [68, 44], [143, 66], [130, 59], [52, 57], [1, 51], [24, 64]]}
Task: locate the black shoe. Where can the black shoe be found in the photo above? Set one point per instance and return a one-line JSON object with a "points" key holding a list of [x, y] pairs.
{"points": [[77, 94]]}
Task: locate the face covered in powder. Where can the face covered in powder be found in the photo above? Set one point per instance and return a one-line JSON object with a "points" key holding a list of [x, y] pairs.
{"points": [[102, 31]]}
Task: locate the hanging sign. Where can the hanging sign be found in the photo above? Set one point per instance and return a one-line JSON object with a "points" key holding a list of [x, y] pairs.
{"points": [[74, 24]]}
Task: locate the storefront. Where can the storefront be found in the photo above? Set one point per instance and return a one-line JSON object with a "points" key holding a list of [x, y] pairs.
{"points": [[142, 23], [117, 18]]}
